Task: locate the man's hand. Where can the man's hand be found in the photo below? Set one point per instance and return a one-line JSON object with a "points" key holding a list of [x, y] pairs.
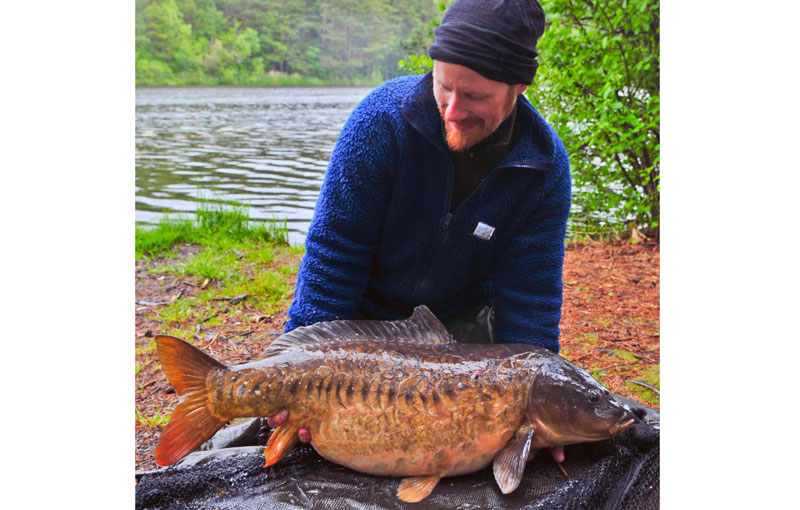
{"points": [[280, 418], [556, 451]]}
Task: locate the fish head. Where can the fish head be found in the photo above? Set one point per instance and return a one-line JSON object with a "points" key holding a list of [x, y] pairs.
{"points": [[566, 405]]}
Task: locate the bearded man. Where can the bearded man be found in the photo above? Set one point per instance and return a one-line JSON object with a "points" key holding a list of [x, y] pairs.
{"points": [[448, 190]]}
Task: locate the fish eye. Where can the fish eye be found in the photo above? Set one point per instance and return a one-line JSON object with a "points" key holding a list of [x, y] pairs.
{"points": [[594, 396]]}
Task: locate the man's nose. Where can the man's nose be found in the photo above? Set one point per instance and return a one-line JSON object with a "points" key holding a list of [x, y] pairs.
{"points": [[455, 111]]}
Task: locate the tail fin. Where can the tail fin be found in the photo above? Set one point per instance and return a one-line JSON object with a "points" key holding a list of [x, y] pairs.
{"points": [[192, 423]]}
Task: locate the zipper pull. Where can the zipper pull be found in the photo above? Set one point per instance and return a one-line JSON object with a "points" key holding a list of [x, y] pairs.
{"points": [[447, 221]]}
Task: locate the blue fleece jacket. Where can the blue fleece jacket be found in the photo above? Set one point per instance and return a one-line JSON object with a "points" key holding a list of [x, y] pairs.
{"points": [[383, 240]]}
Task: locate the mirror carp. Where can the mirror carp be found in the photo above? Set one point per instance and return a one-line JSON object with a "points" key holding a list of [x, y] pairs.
{"points": [[393, 398]]}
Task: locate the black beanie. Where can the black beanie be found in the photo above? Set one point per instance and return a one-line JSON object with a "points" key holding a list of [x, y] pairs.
{"points": [[495, 38]]}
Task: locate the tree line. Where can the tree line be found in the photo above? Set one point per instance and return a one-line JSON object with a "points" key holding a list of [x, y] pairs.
{"points": [[240, 42]]}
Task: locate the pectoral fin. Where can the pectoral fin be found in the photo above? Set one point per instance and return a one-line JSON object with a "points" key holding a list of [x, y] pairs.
{"points": [[282, 440], [510, 462], [416, 488]]}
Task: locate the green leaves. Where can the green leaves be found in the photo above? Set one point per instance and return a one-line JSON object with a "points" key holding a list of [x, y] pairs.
{"points": [[416, 64], [598, 86]]}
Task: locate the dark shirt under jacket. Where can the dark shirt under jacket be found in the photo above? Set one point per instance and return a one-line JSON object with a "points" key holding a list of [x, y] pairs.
{"points": [[472, 165]]}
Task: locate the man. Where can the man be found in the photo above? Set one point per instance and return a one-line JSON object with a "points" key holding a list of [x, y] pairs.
{"points": [[447, 190]]}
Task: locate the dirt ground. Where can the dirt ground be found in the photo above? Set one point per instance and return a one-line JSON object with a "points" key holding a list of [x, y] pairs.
{"points": [[610, 316], [610, 327]]}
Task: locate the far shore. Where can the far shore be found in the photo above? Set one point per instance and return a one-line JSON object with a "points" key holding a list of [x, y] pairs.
{"points": [[268, 81]]}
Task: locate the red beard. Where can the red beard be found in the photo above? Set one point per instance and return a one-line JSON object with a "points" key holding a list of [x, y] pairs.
{"points": [[460, 140]]}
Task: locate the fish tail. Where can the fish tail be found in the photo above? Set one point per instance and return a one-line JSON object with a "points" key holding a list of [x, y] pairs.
{"points": [[187, 368]]}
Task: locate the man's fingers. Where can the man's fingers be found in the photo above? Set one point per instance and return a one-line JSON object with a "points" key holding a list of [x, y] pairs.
{"points": [[278, 419], [558, 453]]}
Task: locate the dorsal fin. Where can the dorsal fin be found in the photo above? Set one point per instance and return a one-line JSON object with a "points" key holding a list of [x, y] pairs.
{"points": [[421, 328]]}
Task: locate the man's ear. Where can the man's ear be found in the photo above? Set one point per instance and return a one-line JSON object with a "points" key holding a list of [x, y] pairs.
{"points": [[520, 88]]}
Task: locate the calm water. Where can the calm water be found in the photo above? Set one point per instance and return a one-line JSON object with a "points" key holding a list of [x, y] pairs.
{"points": [[266, 147]]}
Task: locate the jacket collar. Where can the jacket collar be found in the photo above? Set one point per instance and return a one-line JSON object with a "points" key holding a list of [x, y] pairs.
{"points": [[534, 150]]}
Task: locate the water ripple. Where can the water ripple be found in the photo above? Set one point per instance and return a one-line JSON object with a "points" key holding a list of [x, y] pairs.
{"points": [[267, 147]]}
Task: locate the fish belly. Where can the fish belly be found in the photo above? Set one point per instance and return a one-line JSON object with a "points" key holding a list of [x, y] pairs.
{"points": [[393, 444]]}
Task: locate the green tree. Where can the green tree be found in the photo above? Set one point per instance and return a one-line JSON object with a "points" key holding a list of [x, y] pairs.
{"points": [[416, 45], [279, 27], [246, 43], [170, 38], [598, 84]]}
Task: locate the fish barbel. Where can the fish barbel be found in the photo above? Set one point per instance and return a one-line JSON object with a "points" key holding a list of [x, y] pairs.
{"points": [[393, 398]]}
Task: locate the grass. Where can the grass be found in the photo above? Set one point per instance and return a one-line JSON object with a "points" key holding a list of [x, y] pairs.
{"points": [[263, 256], [617, 367], [219, 225], [268, 290], [236, 256], [288, 270], [176, 312], [157, 420], [179, 331], [211, 263], [625, 355], [590, 339], [147, 349], [652, 377]]}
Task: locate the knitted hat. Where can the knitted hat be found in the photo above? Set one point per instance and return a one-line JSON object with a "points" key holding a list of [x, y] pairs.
{"points": [[495, 38]]}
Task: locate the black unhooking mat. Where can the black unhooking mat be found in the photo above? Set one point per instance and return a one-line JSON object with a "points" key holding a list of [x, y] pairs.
{"points": [[621, 473]]}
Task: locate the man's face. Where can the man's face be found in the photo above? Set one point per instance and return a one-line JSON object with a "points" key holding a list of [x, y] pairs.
{"points": [[471, 105]]}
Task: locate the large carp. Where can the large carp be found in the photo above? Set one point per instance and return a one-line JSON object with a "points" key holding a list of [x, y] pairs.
{"points": [[394, 398]]}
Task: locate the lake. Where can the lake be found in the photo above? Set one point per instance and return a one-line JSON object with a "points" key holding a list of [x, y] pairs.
{"points": [[266, 147]]}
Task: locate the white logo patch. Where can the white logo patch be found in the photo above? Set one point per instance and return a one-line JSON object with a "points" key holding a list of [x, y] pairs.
{"points": [[483, 231]]}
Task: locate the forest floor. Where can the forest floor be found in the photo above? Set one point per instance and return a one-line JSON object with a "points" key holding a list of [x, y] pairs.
{"points": [[609, 327]]}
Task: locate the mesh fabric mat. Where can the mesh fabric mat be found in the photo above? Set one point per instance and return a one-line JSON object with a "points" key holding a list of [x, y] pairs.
{"points": [[622, 473]]}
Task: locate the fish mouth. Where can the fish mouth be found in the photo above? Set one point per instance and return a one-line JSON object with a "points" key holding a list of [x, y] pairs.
{"points": [[622, 426]]}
